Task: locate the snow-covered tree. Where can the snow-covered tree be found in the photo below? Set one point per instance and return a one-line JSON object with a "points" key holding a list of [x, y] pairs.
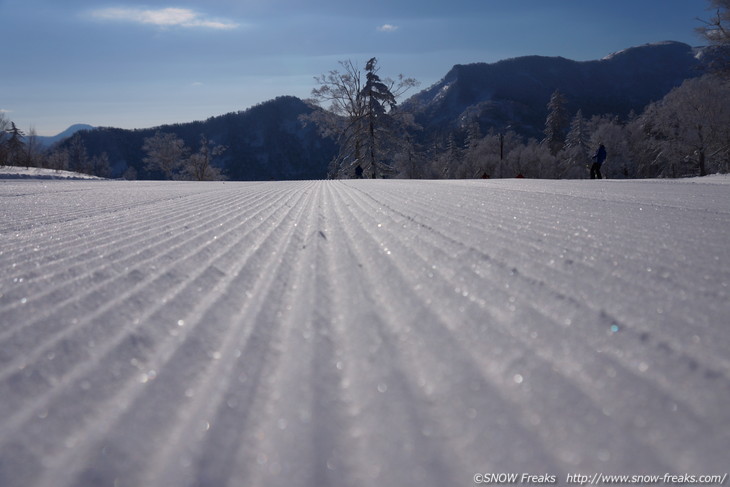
{"points": [[532, 160], [690, 128], [344, 118], [607, 130], [643, 146], [575, 156], [471, 159], [490, 155], [557, 123], [409, 160], [58, 159], [361, 116], [716, 32], [379, 100], [199, 166], [454, 158], [166, 153]]}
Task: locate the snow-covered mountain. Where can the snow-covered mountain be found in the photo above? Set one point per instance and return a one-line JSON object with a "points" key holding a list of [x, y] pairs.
{"points": [[515, 92], [48, 141]]}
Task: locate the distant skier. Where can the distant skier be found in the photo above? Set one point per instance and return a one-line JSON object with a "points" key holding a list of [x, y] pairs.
{"points": [[598, 159], [358, 172]]}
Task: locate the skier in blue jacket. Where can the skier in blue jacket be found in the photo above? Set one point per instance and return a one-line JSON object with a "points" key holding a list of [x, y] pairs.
{"points": [[598, 159]]}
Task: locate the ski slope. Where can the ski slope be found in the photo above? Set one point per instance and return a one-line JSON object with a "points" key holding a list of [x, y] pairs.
{"points": [[362, 333], [21, 172]]}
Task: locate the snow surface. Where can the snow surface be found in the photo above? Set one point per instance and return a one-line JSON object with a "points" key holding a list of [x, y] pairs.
{"points": [[361, 333], [18, 172]]}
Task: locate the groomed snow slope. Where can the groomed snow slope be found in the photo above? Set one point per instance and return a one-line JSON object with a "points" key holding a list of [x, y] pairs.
{"points": [[361, 333], [17, 172]]}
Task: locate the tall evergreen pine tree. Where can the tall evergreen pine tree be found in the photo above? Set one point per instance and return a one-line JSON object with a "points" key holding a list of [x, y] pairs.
{"points": [[377, 96], [15, 145], [557, 123]]}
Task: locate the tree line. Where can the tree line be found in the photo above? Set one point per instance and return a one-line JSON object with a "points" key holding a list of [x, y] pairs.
{"points": [[687, 133], [263, 142], [165, 154]]}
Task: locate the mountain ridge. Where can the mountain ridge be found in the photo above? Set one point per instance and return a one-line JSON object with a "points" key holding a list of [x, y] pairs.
{"points": [[268, 141], [49, 140], [514, 92], [265, 141]]}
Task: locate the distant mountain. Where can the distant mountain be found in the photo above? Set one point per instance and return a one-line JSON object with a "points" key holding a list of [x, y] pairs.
{"points": [[267, 141], [515, 92], [48, 141]]}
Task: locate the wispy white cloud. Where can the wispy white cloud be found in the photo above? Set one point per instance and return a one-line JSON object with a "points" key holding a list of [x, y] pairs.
{"points": [[388, 28], [166, 17]]}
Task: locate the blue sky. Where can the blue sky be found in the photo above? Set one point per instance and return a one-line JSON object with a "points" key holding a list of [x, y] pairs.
{"points": [[141, 64]]}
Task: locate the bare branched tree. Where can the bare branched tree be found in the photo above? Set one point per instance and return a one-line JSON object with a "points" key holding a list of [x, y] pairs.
{"points": [[360, 112], [199, 166], [716, 32], [165, 152]]}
